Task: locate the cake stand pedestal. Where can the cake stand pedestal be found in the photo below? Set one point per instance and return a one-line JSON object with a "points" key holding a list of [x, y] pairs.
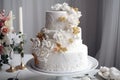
{"points": [[62, 78], [92, 64]]}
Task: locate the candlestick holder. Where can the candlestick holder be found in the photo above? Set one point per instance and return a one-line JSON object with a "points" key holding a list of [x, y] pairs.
{"points": [[21, 66], [11, 69]]}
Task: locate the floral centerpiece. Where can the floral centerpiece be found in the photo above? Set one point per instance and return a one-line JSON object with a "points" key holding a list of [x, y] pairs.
{"points": [[9, 40]]}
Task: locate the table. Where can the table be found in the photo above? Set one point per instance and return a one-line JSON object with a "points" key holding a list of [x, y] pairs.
{"points": [[28, 75]]}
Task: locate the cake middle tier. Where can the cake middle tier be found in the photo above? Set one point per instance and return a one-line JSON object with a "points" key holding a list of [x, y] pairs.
{"points": [[61, 36]]}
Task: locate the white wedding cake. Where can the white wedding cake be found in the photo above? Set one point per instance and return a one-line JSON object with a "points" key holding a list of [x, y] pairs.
{"points": [[58, 46]]}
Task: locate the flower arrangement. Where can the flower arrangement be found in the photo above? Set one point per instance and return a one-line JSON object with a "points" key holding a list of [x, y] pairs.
{"points": [[74, 13], [9, 40]]}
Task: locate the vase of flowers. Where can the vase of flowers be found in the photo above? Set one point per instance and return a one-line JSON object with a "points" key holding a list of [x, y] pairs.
{"points": [[9, 40]]}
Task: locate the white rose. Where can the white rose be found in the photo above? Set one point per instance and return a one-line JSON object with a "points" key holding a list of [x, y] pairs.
{"points": [[8, 39], [73, 20], [56, 7], [17, 39], [65, 7], [79, 14]]}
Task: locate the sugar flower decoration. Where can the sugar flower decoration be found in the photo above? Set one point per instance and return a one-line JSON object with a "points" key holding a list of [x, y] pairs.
{"points": [[60, 48], [70, 40], [41, 36], [62, 19], [76, 30], [73, 13]]}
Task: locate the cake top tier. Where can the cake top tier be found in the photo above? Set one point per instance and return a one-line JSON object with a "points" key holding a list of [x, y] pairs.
{"points": [[61, 16], [56, 20]]}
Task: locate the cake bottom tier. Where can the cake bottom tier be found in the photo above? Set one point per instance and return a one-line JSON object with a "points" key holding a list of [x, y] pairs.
{"points": [[65, 62]]}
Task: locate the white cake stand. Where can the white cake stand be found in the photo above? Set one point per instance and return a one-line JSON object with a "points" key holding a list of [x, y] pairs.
{"points": [[92, 64]]}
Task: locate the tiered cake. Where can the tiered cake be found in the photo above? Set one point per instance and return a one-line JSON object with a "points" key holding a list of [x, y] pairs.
{"points": [[58, 46]]}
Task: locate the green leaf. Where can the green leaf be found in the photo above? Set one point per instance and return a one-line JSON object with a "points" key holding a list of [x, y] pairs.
{"points": [[15, 49], [19, 36], [12, 45], [5, 62], [7, 56], [19, 32], [1, 36], [22, 54], [1, 65], [20, 50], [0, 61], [2, 57]]}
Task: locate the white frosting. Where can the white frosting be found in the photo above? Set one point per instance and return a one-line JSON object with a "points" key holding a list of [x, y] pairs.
{"points": [[52, 22], [61, 49], [69, 61]]}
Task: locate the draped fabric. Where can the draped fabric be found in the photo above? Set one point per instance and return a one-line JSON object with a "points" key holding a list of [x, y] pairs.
{"points": [[109, 33], [99, 22]]}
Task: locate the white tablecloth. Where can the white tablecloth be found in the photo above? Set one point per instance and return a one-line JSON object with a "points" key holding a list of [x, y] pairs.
{"points": [[28, 75]]}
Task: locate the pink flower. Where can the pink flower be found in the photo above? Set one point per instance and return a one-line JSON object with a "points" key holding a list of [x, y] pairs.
{"points": [[4, 30], [3, 18], [1, 24]]}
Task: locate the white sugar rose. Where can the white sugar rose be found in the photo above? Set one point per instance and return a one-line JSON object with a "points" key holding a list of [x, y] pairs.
{"points": [[56, 7], [65, 7], [73, 20], [44, 53], [9, 38], [79, 14], [58, 36]]}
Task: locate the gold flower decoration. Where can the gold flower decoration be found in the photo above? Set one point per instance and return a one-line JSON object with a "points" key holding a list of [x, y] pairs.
{"points": [[76, 9], [41, 36], [59, 48], [62, 19], [70, 40], [76, 30]]}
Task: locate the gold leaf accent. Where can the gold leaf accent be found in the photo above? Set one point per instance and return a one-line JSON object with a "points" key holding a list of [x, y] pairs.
{"points": [[76, 9], [56, 49], [58, 44], [62, 19], [70, 40], [63, 49], [59, 48], [76, 30]]}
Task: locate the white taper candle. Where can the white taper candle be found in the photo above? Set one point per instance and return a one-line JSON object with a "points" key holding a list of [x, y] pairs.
{"points": [[20, 20], [11, 20]]}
